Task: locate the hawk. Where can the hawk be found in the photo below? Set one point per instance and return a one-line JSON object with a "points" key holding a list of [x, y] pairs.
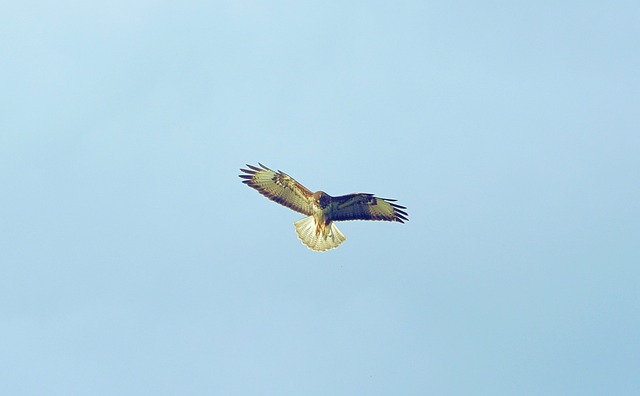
{"points": [[318, 230]]}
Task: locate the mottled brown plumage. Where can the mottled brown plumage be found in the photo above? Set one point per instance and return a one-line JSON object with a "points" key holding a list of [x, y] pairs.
{"points": [[317, 231]]}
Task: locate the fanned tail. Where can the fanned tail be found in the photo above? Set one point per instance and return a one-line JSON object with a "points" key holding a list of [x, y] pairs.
{"points": [[318, 238]]}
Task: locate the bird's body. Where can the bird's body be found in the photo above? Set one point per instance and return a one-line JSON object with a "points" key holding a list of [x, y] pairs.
{"points": [[318, 230]]}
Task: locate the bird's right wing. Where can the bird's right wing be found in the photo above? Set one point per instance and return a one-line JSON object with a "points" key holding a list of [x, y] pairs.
{"points": [[279, 187]]}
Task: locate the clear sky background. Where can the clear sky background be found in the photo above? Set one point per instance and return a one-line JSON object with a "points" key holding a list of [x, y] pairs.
{"points": [[133, 261]]}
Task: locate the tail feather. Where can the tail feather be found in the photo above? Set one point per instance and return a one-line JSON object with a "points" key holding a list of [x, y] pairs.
{"points": [[318, 238]]}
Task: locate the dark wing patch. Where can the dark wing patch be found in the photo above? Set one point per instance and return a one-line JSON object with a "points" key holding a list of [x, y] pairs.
{"points": [[279, 187], [363, 206]]}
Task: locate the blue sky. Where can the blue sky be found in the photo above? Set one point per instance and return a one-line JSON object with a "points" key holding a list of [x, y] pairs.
{"points": [[135, 262]]}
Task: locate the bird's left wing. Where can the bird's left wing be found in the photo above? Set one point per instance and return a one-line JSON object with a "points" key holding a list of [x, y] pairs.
{"points": [[361, 206], [279, 187]]}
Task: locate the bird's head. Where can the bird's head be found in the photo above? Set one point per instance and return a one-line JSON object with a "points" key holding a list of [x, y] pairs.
{"points": [[321, 198]]}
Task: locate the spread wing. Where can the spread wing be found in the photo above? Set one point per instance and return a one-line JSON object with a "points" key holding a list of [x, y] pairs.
{"points": [[279, 187], [366, 207]]}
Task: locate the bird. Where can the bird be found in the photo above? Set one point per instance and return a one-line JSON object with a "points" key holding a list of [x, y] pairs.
{"points": [[318, 230]]}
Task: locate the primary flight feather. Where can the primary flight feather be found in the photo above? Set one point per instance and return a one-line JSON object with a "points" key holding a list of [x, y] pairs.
{"points": [[318, 230]]}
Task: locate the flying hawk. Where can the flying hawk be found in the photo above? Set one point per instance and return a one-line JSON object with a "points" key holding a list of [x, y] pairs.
{"points": [[318, 231]]}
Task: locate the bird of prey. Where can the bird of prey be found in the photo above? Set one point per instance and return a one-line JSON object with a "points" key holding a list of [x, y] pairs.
{"points": [[318, 230]]}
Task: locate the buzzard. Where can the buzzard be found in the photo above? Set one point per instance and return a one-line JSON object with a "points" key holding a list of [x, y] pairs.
{"points": [[318, 230]]}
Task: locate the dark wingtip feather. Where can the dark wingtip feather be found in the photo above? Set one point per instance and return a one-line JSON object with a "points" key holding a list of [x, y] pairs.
{"points": [[249, 171], [401, 212], [400, 215]]}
